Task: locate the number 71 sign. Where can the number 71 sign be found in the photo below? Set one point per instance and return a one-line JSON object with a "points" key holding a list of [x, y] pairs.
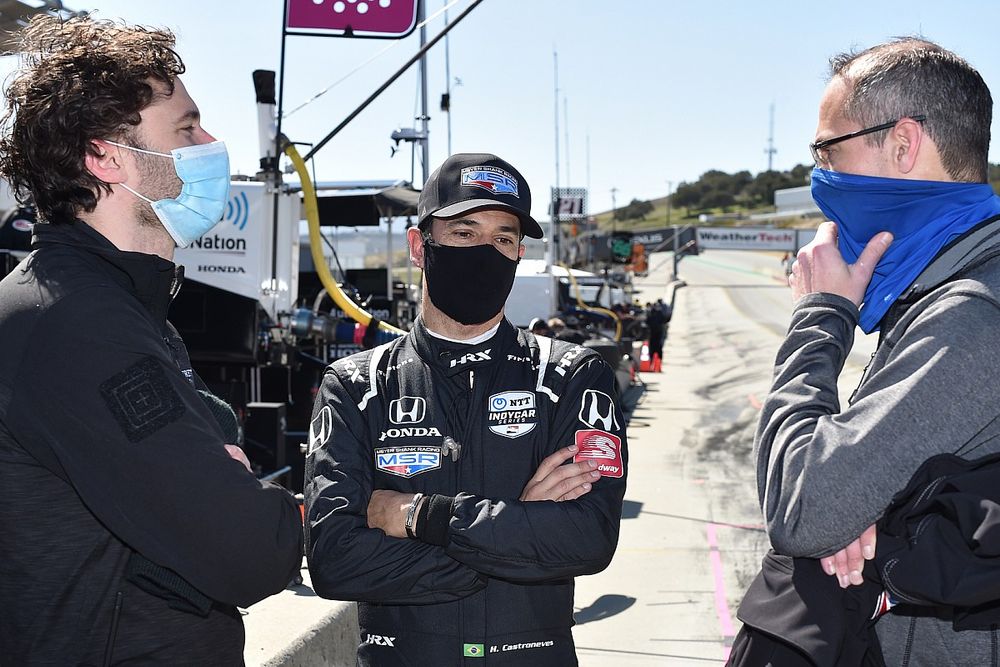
{"points": [[391, 19]]}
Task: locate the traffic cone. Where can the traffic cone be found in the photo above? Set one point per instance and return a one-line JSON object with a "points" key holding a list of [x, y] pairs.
{"points": [[645, 364]]}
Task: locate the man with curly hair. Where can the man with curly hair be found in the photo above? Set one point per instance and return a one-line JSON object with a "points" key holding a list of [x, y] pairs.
{"points": [[130, 525]]}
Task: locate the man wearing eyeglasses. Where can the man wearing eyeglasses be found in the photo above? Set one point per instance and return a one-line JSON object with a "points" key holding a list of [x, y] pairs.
{"points": [[913, 252]]}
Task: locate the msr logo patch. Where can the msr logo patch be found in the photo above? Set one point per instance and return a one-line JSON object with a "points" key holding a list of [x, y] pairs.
{"points": [[141, 399], [604, 448], [512, 413], [408, 461]]}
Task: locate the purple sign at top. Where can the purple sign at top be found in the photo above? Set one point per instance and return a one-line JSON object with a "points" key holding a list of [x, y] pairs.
{"points": [[361, 18]]}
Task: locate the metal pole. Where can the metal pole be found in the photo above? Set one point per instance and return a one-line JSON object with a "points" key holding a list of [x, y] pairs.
{"points": [[556, 258], [424, 118], [371, 98], [673, 276], [569, 181], [388, 261], [447, 74], [670, 187], [277, 157], [614, 211]]}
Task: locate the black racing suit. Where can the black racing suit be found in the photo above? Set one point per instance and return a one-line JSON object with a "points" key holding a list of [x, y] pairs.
{"points": [[107, 451], [490, 579]]}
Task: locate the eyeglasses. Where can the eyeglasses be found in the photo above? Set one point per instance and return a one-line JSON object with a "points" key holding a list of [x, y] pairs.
{"points": [[821, 155]]}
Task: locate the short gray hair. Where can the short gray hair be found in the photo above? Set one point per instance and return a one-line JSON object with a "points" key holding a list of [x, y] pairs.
{"points": [[909, 76]]}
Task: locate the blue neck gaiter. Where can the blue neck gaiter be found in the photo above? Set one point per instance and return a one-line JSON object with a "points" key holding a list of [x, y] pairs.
{"points": [[923, 217]]}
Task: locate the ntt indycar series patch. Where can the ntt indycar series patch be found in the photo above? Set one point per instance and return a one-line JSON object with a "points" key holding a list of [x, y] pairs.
{"points": [[604, 448], [512, 413], [408, 461]]}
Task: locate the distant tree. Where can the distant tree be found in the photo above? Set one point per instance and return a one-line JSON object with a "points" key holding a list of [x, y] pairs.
{"points": [[687, 195], [717, 199], [801, 173], [717, 189], [636, 210], [762, 189]]}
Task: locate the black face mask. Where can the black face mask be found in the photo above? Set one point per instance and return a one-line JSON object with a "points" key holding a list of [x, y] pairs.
{"points": [[469, 284]]}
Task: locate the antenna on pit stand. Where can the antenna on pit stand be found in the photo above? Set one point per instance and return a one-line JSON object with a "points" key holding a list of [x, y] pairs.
{"points": [[770, 150]]}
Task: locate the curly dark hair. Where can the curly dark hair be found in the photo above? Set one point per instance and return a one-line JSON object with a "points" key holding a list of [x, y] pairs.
{"points": [[80, 79]]}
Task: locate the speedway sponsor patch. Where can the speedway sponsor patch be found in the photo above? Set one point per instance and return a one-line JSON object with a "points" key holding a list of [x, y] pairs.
{"points": [[512, 413], [408, 461], [604, 448]]}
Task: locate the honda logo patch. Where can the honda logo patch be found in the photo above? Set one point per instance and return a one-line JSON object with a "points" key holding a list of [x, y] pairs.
{"points": [[604, 448], [597, 410], [321, 428], [407, 410]]}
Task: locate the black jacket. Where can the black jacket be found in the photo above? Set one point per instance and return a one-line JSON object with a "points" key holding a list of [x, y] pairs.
{"points": [[106, 450], [938, 548], [489, 574]]}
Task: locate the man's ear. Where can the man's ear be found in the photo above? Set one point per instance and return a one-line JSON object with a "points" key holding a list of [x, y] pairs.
{"points": [[104, 161], [415, 239], [904, 142]]}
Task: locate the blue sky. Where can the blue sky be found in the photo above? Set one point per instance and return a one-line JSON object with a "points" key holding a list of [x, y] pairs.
{"points": [[665, 90]]}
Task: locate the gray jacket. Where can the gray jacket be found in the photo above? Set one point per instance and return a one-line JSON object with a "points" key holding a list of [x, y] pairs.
{"points": [[824, 474]]}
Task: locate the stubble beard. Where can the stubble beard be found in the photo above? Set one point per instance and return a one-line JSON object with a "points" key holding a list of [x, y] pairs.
{"points": [[159, 181]]}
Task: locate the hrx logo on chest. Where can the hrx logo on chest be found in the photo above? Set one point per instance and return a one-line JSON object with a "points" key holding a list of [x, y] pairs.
{"points": [[482, 355], [380, 640]]}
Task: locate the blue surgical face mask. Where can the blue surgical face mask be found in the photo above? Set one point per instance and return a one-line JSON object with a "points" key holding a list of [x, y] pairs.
{"points": [[923, 217], [204, 173]]}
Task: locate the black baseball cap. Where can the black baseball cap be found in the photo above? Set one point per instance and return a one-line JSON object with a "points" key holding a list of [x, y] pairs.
{"points": [[469, 182]]}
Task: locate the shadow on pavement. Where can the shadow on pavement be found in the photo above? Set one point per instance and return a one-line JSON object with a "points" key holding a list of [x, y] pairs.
{"points": [[631, 509], [603, 607], [302, 590]]}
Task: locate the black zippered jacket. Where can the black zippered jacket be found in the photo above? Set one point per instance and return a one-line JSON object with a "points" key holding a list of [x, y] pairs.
{"points": [[490, 579], [112, 469], [938, 549]]}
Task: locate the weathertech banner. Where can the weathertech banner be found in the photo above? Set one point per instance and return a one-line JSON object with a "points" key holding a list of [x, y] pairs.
{"points": [[745, 238]]}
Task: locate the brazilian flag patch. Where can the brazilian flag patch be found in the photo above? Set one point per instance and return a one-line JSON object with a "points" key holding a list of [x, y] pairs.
{"points": [[473, 651]]}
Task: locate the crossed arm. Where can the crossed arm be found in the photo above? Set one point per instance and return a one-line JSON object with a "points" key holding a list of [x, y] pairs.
{"points": [[820, 267]]}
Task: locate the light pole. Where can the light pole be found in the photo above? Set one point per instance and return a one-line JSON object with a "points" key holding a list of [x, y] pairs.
{"points": [[670, 187], [614, 210]]}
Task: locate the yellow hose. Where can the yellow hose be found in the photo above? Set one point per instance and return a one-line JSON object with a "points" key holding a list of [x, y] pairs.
{"points": [[351, 309], [584, 306]]}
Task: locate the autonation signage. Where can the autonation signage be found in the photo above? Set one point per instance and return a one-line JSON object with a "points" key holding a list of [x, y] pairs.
{"points": [[746, 238]]}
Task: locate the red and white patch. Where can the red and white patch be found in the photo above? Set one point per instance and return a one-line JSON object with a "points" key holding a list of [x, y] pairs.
{"points": [[604, 448]]}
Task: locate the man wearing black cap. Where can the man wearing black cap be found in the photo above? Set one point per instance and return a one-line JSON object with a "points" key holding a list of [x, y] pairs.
{"points": [[459, 477]]}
